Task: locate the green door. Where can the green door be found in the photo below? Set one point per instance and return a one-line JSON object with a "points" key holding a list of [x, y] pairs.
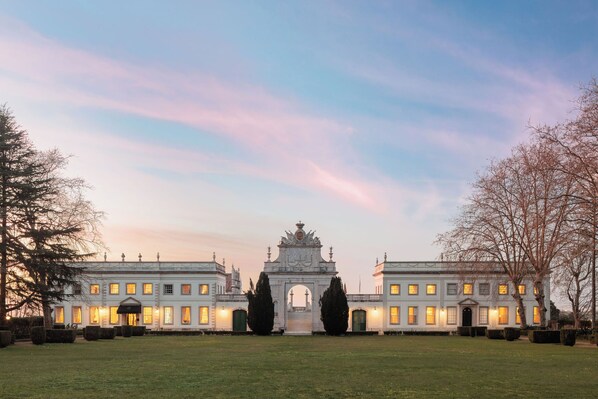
{"points": [[359, 320], [239, 320]]}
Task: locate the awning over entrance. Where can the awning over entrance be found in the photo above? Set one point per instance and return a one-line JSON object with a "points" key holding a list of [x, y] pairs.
{"points": [[125, 309]]}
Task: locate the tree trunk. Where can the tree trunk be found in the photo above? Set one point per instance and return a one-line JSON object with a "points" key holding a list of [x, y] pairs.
{"points": [[520, 307], [539, 285], [3, 254]]}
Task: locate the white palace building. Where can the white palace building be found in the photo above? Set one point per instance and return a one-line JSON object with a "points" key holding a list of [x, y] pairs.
{"points": [[408, 296]]}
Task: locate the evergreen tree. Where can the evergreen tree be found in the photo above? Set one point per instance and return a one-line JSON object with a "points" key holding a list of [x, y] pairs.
{"points": [[260, 309], [334, 308]]}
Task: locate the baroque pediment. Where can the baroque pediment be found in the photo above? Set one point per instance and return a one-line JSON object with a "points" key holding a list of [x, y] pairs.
{"points": [[300, 238]]}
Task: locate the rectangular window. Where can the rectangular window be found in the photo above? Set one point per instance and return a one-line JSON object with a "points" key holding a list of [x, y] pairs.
{"points": [[536, 315], [94, 315], [451, 315], [395, 289], [148, 288], [394, 315], [185, 289], [148, 315], [203, 315], [483, 315], [468, 289], [114, 288], [168, 289], [77, 315], [503, 289], [430, 315], [430, 289], [484, 288], [186, 315], [451, 289], [59, 315], [94, 289], [204, 289], [412, 315], [131, 288], [77, 289], [413, 289], [168, 316], [503, 315], [521, 289], [113, 315]]}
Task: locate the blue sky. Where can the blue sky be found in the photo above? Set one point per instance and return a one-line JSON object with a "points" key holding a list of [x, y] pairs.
{"points": [[215, 126]]}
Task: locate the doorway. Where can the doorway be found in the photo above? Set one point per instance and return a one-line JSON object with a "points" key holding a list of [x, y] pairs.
{"points": [[359, 320], [239, 320], [466, 317], [131, 319]]}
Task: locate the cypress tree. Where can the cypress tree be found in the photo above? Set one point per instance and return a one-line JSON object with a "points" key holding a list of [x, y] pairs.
{"points": [[260, 309], [334, 308]]}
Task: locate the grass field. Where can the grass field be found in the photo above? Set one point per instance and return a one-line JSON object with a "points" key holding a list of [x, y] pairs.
{"points": [[298, 367]]}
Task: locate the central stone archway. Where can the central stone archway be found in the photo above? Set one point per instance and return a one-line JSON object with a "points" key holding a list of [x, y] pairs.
{"points": [[299, 309], [299, 263]]}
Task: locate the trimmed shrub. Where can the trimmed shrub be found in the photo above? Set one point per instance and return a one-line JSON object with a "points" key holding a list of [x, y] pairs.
{"points": [[464, 331], [568, 336], [127, 331], [92, 333], [512, 333], [544, 336], [38, 335], [118, 330], [21, 326], [495, 334], [58, 326], [138, 331], [480, 331], [5, 338], [107, 333], [61, 336]]}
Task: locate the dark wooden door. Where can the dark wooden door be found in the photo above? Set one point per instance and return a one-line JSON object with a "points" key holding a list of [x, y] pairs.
{"points": [[466, 317], [239, 320]]}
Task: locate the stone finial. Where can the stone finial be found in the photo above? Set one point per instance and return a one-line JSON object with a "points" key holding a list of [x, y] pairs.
{"points": [[330, 254], [122, 256], [269, 254], [213, 256], [384, 256], [105, 257], [376, 260], [442, 256], [139, 256], [158, 256], [223, 261]]}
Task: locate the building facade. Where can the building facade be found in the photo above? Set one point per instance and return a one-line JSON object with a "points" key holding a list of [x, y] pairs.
{"points": [[408, 296]]}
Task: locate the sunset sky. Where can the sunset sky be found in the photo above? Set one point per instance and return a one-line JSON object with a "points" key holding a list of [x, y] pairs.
{"points": [[215, 126]]}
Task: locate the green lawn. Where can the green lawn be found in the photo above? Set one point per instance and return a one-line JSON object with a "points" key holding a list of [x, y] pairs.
{"points": [[304, 367]]}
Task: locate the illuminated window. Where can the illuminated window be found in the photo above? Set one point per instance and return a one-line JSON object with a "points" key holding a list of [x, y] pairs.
{"points": [[168, 289], [394, 315], [536, 315], [451, 315], [412, 315], [521, 289], [113, 314], [413, 289], [148, 315], [94, 289], [114, 287], [203, 315], [148, 288], [168, 315], [186, 314], [59, 314], [467, 289], [185, 289], [94, 315], [77, 316], [517, 317], [204, 289], [430, 314], [395, 289], [503, 289], [76, 289], [431, 289], [484, 288], [535, 290], [483, 310], [131, 288], [503, 315], [451, 289]]}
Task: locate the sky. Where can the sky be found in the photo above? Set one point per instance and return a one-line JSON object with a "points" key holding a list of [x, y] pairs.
{"points": [[215, 126]]}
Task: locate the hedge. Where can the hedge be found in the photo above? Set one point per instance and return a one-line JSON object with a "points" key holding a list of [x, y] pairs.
{"points": [[59, 326], [127, 331], [118, 330], [61, 336], [5, 338], [38, 335], [92, 333], [544, 336], [568, 336], [21, 326], [138, 331], [107, 333], [512, 333], [495, 334]]}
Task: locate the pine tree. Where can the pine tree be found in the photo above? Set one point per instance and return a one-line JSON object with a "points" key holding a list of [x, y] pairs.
{"points": [[260, 309], [334, 308]]}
